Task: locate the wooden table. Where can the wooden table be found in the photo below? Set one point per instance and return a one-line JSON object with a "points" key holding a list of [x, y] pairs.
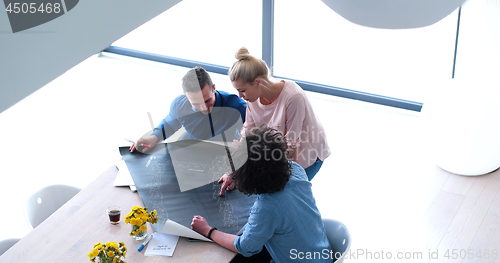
{"points": [[70, 233]]}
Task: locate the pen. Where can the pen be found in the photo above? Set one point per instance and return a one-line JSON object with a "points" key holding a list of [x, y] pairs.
{"points": [[237, 134], [145, 243], [142, 144]]}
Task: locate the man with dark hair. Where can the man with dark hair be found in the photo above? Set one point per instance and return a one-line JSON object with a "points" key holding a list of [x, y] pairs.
{"points": [[202, 110], [284, 218]]}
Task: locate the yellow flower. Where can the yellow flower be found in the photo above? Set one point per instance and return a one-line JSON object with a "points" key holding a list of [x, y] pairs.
{"points": [[152, 218], [107, 251], [139, 216], [143, 228]]}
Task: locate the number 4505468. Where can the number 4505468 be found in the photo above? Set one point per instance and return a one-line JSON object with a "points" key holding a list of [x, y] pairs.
{"points": [[471, 254], [32, 8]]}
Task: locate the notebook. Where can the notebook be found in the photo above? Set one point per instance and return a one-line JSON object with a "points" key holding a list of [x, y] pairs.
{"points": [[161, 245]]}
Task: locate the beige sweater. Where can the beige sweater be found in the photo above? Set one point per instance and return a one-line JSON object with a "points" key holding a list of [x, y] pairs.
{"points": [[291, 114]]}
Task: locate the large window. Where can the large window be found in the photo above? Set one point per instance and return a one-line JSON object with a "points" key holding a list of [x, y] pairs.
{"points": [[311, 43], [315, 44], [200, 30], [478, 53]]}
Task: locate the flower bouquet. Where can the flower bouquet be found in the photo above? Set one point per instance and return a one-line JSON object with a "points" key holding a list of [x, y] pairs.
{"points": [[138, 218], [108, 253]]}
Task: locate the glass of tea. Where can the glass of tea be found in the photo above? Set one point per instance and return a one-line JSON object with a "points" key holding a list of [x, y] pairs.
{"points": [[114, 214]]}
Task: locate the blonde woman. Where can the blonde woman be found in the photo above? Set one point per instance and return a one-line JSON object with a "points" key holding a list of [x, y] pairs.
{"points": [[282, 105]]}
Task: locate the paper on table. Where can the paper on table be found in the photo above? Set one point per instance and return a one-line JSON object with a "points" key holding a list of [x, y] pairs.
{"points": [[123, 178], [161, 245], [174, 228]]}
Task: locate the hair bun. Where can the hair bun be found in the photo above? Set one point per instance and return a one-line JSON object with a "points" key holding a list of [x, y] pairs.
{"points": [[242, 53]]}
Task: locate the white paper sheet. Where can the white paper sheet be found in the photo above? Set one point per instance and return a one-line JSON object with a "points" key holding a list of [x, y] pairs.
{"points": [[174, 228], [123, 178], [161, 245]]}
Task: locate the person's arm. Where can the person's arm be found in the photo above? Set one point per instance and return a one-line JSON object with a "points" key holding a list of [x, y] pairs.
{"points": [[150, 141], [225, 240], [291, 153], [261, 226], [170, 124], [235, 102], [166, 128], [295, 116]]}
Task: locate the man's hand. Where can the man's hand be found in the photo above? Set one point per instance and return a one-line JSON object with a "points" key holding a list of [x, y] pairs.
{"points": [[200, 225], [227, 183], [150, 141]]}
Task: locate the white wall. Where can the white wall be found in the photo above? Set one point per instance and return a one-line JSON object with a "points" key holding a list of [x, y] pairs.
{"points": [[478, 52], [32, 58]]}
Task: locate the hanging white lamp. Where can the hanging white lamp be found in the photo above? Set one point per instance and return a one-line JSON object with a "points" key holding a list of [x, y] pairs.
{"points": [[394, 14]]}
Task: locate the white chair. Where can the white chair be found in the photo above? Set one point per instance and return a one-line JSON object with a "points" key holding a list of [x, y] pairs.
{"points": [[46, 201], [338, 237], [6, 244]]}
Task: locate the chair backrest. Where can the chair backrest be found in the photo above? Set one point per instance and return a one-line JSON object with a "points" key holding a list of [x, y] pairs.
{"points": [[339, 237], [46, 201], [6, 244]]}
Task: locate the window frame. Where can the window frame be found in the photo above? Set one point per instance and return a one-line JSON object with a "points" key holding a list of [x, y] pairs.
{"points": [[268, 57]]}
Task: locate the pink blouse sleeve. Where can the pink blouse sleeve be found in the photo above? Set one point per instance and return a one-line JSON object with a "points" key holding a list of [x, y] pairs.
{"points": [[295, 116]]}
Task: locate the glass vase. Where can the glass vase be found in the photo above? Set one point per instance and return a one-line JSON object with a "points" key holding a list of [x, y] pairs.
{"points": [[140, 234]]}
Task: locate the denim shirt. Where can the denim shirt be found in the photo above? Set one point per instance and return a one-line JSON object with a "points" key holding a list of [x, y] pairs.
{"points": [[287, 223]]}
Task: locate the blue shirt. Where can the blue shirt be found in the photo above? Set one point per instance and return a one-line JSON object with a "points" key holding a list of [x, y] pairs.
{"points": [[228, 113], [287, 223]]}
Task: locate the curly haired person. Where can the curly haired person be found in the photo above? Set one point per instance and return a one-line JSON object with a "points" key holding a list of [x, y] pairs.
{"points": [[284, 217]]}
